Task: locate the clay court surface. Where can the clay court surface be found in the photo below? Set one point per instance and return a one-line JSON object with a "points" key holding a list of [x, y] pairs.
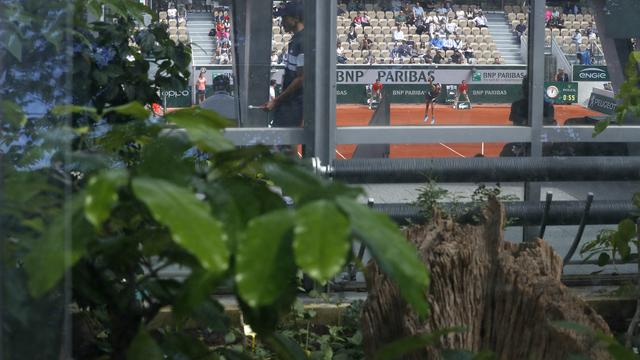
{"points": [[403, 115]]}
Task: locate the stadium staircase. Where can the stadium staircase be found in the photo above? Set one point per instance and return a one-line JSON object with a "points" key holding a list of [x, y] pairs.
{"points": [[506, 42], [202, 45]]}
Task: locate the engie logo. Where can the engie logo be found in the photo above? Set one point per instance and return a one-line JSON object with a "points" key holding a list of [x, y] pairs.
{"points": [[590, 73]]}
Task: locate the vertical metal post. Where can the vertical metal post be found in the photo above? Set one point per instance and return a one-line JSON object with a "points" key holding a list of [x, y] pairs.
{"points": [[320, 78], [252, 61], [536, 98]]}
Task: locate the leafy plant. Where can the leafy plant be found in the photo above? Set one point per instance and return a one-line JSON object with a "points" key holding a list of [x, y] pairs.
{"points": [[101, 200]]}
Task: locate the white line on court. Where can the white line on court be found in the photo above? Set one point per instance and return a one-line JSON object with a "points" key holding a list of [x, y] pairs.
{"points": [[455, 152], [340, 154]]}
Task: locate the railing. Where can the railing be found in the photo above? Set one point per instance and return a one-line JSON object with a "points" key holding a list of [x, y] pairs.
{"points": [[561, 59]]}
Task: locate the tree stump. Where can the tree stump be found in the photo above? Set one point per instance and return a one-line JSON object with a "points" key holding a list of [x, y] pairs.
{"points": [[505, 295]]}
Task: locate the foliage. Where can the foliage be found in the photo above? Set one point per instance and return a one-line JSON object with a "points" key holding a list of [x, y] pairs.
{"points": [[431, 195], [628, 95], [101, 199], [613, 347]]}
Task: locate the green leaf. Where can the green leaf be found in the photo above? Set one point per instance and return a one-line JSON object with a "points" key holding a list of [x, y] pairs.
{"points": [[167, 153], [47, 262], [409, 344], [102, 195], [627, 229], [603, 259], [295, 181], [636, 199], [570, 325], [143, 347], [202, 127], [321, 240], [285, 348], [64, 110], [189, 220], [600, 127], [393, 253], [12, 113], [12, 43], [133, 109], [264, 262], [198, 286]]}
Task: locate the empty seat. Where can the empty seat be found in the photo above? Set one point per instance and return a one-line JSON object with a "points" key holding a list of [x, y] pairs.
{"points": [[174, 37], [484, 31], [183, 38], [380, 14], [486, 54], [374, 22], [382, 23], [368, 30], [388, 15], [475, 31]]}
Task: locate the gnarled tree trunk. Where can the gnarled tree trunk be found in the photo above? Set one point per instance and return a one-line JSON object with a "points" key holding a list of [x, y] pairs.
{"points": [[504, 294]]}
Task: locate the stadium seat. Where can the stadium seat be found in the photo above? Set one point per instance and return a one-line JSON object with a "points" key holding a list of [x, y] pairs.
{"points": [[377, 30], [388, 15], [412, 30], [275, 30], [547, 32], [564, 32], [384, 53], [481, 61], [174, 37], [474, 46], [278, 38], [555, 32], [486, 54], [507, 9], [353, 14], [359, 60], [374, 22], [388, 37], [172, 31], [425, 38], [354, 46], [345, 45], [448, 53], [514, 23], [483, 46], [182, 31], [587, 18], [511, 16], [173, 23], [495, 54], [183, 39], [584, 25], [286, 38], [492, 47], [386, 30], [376, 53], [466, 31], [380, 14], [368, 30], [480, 38], [378, 38], [520, 16], [470, 39], [462, 23], [484, 31], [382, 23], [571, 17], [475, 31], [451, 15], [391, 23], [348, 53], [162, 15]]}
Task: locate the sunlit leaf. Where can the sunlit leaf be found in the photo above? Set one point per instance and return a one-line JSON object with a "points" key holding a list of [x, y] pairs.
{"points": [[395, 256], [133, 109], [202, 127], [264, 260], [102, 195], [600, 126], [321, 240], [12, 113], [189, 220]]}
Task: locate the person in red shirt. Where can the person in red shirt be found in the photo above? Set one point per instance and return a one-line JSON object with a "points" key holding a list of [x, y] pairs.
{"points": [[376, 90], [463, 89]]}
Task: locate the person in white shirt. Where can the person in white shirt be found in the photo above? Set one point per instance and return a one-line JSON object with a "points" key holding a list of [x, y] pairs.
{"points": [[398, 35], [448, 44], [451, 27], [480, 20], [577, 37], [172, 12], [274, 58], [460, 15]]}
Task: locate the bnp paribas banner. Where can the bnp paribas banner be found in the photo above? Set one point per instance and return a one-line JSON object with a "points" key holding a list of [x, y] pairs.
{"points": [[407, 84]]}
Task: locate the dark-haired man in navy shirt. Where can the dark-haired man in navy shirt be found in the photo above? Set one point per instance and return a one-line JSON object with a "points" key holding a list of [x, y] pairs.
{"points": [[287, 106]]}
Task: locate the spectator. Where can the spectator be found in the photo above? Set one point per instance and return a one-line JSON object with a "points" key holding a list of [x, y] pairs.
{"points": [[398, 35], [458, 42], [357, 21], [442, 10], [366, 43], [470, 14], [369, 59], [562, 76], [428, 59], [421, 27], [401, 18], [418, 11], [480, 20], [351, 35], [555, 13], [365, 21], [451, 27], [497, 61], [590, 34], [547, 15], [282, 57], [521, 28], [340, 54], [172, 12], [448, 44], [396, 5], [457, 57], [461, 15], [274, 58], [577, 38], [436, 42], [468, 52], [438, 58]]}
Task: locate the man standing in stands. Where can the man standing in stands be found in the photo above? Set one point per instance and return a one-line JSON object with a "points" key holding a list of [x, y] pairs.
{"points": [[221, 101], [520, 29], [562, 76], [287, 106]]}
